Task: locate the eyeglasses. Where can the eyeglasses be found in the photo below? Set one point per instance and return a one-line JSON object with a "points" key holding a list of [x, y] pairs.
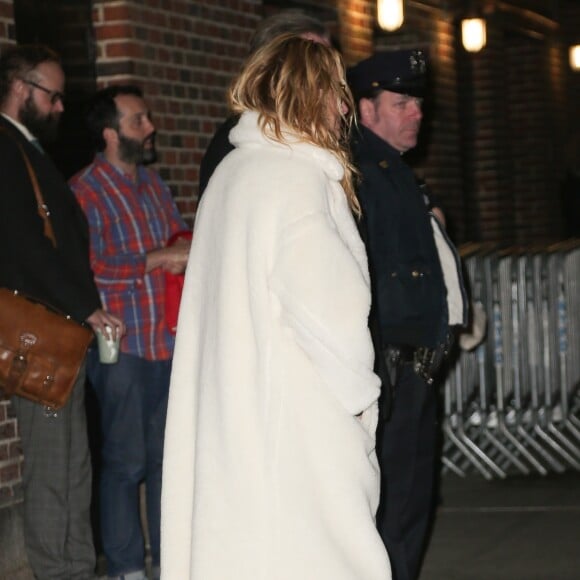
{"points": [[54, 96]]}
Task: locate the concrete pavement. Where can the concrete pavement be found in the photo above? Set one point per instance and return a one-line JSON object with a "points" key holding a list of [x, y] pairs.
{"points": [[521, 528]]}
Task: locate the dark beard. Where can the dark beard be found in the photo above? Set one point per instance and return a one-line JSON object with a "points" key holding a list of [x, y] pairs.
{"points": [[134, 152], [45, 129]]}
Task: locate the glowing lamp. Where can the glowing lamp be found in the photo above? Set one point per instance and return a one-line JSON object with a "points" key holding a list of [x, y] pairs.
{"points": [[575, 57], [473, 34], [390, 14]]}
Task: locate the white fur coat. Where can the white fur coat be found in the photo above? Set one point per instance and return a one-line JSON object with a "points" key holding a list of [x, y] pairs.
{"points": [[268, 473]]}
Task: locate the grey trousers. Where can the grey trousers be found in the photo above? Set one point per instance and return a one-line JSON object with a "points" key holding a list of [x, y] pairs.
{"points": [[57, 488]]}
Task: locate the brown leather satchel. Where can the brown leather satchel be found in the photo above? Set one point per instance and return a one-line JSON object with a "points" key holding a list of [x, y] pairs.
{"points": [[41, 350]]}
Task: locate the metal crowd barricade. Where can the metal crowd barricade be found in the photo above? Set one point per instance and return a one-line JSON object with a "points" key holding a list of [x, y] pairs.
{"points": [[512, 405]]}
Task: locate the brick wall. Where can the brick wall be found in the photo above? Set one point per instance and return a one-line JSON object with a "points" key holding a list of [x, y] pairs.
{"points": [[356, 28], [571, 143], [184, 55], [570, 18], [6, 22], [535, 131], [10, 457], [514, 120], [485, 139], [186, 62]]}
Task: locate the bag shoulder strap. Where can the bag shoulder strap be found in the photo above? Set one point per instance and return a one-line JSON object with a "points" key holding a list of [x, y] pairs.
{"points": [[43, 210]]}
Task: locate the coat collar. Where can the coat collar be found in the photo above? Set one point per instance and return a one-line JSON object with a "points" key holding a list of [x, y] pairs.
{"points": [[17, 125], [247, 133]]}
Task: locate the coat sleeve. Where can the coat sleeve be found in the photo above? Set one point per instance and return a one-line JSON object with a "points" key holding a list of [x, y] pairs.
{"points": [[325, 300]]}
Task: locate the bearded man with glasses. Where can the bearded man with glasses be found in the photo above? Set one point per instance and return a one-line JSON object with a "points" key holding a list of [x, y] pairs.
{"points": [[54, 96], [56, 478]]}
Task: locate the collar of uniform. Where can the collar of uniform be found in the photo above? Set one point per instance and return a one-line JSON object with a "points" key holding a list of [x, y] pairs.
{"points": [[369, 145]]}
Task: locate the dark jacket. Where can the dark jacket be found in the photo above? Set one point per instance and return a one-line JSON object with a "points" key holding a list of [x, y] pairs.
{"points": [[218, 148], [61, 277], [408, 285]]}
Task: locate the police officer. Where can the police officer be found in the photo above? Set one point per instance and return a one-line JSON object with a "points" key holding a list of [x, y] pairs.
{"points": [[417, 292]]}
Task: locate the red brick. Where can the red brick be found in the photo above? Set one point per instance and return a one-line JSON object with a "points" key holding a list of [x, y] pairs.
{"points": [[125, 49], [118, 12], [114, 31], [8, 430], [6, 9], [9, 473]]}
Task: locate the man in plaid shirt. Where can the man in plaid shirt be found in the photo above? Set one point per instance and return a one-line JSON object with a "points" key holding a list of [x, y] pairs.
{"points": [[131, 217]]}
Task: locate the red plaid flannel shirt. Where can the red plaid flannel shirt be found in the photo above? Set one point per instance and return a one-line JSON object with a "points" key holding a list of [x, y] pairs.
{"points": [[126, 220]]}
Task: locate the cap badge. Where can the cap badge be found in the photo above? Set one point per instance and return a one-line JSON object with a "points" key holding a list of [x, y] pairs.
{"points": [[417, 62]]}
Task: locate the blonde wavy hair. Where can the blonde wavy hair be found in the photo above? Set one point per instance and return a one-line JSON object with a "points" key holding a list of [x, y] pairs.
{"points": [[292, 83]]}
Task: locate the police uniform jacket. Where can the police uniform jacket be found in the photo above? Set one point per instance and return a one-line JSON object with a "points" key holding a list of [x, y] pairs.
{"points": [[408, 280]]}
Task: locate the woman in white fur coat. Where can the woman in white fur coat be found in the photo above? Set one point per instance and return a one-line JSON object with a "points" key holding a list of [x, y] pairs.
{"points": [[270, 470]]}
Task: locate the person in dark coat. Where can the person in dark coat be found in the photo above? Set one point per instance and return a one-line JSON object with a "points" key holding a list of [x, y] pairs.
{"points": [[288, 21], [56, 477], [418, 293]]}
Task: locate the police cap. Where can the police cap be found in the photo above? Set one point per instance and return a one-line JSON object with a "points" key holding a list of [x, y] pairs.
{"points": [[400, 71]]}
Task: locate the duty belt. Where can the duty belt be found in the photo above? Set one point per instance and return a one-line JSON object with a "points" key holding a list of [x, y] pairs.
{"points": [[425, 361]]}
